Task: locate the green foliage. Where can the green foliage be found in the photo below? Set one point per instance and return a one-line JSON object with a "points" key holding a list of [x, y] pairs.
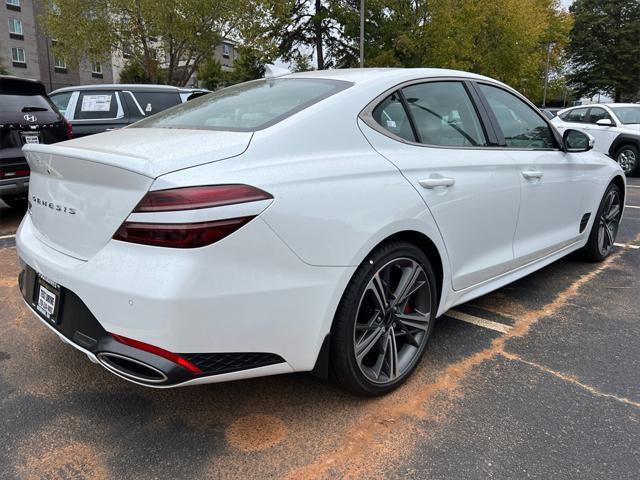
{"points": [[134, 72], [605, 48], [505, 39], [301, 63], [3, 71], [211, 75], [174, 36], [250, 65]]}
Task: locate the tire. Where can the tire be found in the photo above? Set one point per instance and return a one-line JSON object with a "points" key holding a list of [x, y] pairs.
{"points": [[15, 201], [362, 324], [605, 226], [628, 158]]}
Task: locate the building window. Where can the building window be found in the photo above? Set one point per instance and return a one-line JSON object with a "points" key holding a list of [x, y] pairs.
{"points": [[15, 26], [59, 64], [96, 69], [18, 57], [226, 50], [13, 5]]}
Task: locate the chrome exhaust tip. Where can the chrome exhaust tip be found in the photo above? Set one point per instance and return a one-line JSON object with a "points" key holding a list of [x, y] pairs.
{"points": [[131, 368]]}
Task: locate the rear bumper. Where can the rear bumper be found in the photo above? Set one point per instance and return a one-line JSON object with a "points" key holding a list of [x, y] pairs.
{"points": [[14, 186], [247, 301]]}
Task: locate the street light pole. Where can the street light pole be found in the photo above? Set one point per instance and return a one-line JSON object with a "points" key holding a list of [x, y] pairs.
{"points": [[361, 33], [546, 76]]}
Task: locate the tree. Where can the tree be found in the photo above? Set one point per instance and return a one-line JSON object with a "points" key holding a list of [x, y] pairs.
{"points": [[133, 72], [605, 48], [301, 63], [174, 36], [211, 75], [249, 66]]}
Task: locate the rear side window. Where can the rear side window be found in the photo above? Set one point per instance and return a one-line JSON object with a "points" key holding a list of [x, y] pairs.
{"points": [[444, 115], [247, 106], [390, 114], [61, 100], [579, 115], [154, 102], [521, 126], [96, 105], [598, 113]]}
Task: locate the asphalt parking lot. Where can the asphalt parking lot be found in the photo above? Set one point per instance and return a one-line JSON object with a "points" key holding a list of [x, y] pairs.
{"points": [[540, 379]]}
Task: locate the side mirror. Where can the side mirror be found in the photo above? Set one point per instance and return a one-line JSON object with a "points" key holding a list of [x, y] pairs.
{"points": [[605, 122], [577, 141]]}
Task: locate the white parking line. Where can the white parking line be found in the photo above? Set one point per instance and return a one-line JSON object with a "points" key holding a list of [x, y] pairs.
{"points": [[631, 206], [633, 186], [624, 245], [480, 322], [4, 237]]}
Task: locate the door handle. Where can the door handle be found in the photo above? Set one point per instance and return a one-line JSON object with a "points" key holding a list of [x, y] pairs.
{"points": [[530, 174], [433, 182]]}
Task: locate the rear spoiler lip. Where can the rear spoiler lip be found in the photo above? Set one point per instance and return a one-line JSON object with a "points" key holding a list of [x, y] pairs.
{"points": [[33, 151]]}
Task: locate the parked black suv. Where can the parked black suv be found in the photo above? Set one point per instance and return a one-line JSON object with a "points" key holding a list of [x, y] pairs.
{"points": [[99, 108], [27, 115]]}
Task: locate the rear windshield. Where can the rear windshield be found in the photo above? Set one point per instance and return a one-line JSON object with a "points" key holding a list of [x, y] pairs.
{"points": [[248, 106], [24, 103], [627, 115]]}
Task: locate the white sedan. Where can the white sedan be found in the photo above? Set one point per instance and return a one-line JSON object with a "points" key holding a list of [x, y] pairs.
{"points": [[615, 128], [314, 221]]}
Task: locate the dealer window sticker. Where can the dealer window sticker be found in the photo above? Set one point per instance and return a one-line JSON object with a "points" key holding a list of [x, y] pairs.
{"points": [[96, 103]]}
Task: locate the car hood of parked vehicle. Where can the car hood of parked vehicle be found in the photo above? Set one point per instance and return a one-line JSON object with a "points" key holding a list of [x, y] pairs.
{"points": [[150, 151]]}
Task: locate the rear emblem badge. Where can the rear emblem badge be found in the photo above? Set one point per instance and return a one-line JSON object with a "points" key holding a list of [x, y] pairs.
{"points": [[30, 118]]}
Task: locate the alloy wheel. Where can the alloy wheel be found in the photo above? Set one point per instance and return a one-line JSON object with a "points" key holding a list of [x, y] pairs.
{"points": [[627, 160], [608, 222], [392, 320]]}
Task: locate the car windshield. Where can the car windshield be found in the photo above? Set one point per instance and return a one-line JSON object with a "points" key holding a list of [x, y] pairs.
{"points": [[248, 106], [627, 115]]}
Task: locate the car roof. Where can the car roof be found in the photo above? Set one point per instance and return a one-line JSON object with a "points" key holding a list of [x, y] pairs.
{"points": [[360, 75], [8, 84], [134, 87]]}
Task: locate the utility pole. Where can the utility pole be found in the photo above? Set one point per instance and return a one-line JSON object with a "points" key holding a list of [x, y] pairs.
{"points": [[546, 76], [361, 33]]}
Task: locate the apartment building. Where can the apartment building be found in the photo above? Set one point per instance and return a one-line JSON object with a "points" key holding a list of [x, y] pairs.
{"points": [[26, 52]]}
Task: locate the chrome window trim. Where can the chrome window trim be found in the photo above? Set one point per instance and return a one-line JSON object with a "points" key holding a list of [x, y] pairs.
{"points": [[366, 115], [135, 100]]}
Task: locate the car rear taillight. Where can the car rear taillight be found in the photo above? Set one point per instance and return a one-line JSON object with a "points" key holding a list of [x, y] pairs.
{"points": [[161, 352], [69, 128], [189, 235], [179, 235], [190, 198]]}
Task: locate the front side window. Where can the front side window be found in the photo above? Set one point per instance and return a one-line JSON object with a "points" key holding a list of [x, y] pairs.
{"points": [[17, 55], [627, 115], [96, 105], [248, 106], [521, 126], [15, 26], [390, 114], [444, 115], [597, 113], [578, 115]]}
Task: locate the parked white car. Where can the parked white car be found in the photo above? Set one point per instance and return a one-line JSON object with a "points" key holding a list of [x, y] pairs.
{"points": [[615, 127], [312, 221]]}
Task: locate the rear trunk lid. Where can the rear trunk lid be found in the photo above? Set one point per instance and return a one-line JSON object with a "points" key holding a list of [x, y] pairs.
{"points": [[82, 190]]}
